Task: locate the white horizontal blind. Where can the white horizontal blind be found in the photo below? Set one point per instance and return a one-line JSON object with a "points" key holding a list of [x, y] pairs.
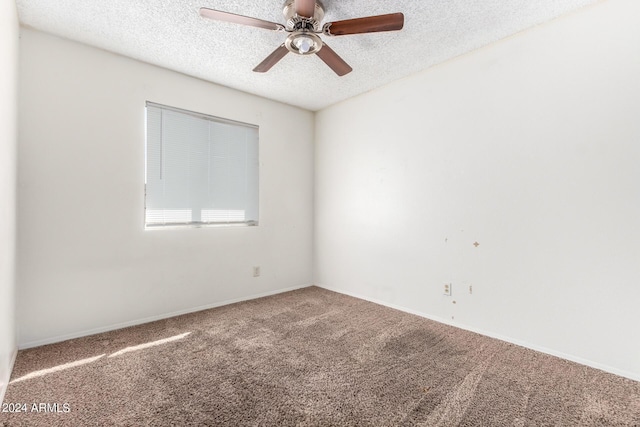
{"points": [[199, 169]]}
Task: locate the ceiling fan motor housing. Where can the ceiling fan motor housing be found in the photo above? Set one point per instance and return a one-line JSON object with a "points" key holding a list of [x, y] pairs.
{"points": [[295, 22]]}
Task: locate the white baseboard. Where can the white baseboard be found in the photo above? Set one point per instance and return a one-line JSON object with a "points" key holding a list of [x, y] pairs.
{"points": [[3, 386], [572, 358], [87, 332]]}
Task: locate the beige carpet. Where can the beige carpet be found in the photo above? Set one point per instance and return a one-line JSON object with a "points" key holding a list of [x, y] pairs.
{"points": [[308, 358]]}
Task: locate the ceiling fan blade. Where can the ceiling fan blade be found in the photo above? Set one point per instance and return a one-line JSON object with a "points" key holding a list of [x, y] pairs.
{"points": [[218, 15], [306, 8], [369, 24], [334, 61], [272, 59]]}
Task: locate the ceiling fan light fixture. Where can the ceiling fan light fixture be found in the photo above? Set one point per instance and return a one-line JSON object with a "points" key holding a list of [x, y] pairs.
{"points": [[303, 43]]}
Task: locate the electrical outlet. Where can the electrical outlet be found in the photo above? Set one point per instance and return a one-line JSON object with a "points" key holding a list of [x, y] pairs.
{"points": [[256, 271], [470, 289], [447, 289]]}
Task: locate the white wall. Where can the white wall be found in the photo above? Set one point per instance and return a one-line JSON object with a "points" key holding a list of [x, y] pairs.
{"points": [[84, 261], [8, 139], [531, 147]]}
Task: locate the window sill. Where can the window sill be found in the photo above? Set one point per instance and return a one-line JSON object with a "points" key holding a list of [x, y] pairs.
{"points": [[196, 225]]}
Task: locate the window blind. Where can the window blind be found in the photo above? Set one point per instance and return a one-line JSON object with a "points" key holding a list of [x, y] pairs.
{"points": [[199, 169]]}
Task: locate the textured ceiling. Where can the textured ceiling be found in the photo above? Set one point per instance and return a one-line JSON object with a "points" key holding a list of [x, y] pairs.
{"points": [[171, 34]]}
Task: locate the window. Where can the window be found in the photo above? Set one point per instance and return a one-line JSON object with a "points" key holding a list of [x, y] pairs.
{"points": [[200, 170]]}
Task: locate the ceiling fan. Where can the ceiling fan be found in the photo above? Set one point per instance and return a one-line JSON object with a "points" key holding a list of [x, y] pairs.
{"points": [[303, 25]]}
